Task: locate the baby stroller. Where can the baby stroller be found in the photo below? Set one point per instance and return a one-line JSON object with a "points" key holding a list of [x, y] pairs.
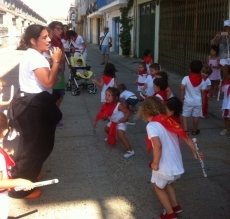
{"points": [[77, 75]]}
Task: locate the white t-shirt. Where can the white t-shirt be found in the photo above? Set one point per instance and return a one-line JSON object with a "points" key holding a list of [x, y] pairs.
{"points": [[149, 91], [171, 160], [78, 42], [226, 100], [106, 39], [207, 83], [116, 114], [28, 82], [4, 202], [65, 43], [126, 94], [192, 94]]}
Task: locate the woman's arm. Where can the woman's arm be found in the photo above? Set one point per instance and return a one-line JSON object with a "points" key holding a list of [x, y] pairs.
{"points": [[84, 46], [115, 83], [126, 111], [157, 151], [46, 76]]}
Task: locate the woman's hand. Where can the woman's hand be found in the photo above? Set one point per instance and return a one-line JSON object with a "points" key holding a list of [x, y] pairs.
{"points": [[56, 55], [57, 80], [25, 184]]}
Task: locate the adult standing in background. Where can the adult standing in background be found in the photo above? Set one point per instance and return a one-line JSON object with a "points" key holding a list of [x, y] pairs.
{"points": [[33, 111], [78, 44], [223, 40], [106, 42], [57, 30], [66, 41]]}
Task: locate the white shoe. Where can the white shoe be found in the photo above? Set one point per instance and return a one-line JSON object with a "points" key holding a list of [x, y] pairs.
{"points": [[129, 154], [105, 139], [224, 132]]}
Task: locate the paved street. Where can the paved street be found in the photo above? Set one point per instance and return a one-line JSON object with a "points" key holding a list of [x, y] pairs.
{"points": [[96, 182]]}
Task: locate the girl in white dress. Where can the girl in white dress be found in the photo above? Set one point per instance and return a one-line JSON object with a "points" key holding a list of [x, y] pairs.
{"points": [[167, 165]]}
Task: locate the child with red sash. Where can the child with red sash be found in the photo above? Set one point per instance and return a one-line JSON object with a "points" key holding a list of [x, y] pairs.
{"points": [[192, 94], [205, 73], [164, 75], [148, 60], [107, 80], [167, 165], [118, 115], [6, 182], [148, 90], [160, 86], [141, 76], [225, 88]]}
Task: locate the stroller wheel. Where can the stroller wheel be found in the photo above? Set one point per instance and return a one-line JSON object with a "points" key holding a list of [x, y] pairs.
{"points": [[75, 92]]}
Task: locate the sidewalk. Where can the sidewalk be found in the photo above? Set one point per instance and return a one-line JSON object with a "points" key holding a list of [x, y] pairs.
{"points": [[96, 182]]}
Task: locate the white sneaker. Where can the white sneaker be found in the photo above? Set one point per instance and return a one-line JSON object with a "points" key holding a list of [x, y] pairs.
{"points": [[105, 139], [129, 154], [224, 132]]}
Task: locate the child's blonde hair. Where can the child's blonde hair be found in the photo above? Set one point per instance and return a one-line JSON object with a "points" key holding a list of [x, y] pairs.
{"points": [[151, 106], [3, 124]]}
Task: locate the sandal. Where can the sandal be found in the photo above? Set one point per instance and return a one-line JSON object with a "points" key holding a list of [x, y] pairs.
{"points": [[197, 132]]}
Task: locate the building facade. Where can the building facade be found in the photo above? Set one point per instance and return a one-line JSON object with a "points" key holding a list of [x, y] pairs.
{"points": [[15, 16]]}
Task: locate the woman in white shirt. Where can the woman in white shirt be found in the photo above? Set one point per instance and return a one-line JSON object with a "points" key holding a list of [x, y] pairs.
{"points": [[33, 111]]}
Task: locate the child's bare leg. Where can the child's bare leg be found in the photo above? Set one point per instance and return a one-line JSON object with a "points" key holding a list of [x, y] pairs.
{"points": [[185, 123], [171, 194], [226, 123], [195, 123], [124, 140], [106, 129], [163, 196]]}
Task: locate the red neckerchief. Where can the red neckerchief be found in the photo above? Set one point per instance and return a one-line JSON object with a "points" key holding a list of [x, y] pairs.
{"points": [[169, 124], [106, 111], [227, 82], [195, 79], [65, 37], [106, 79], [75, 38], [162, 93], [147, 59], [56, 42], [144, 72]]}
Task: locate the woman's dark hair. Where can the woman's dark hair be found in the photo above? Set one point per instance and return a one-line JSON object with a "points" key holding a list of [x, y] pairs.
{"points": [[121, 87], [33, 32], [110, 70], [53, 24], [215, 48], [115, 92], [3, 124], [161, 83], [175, 104], [147, 52], [163, 75], [71, 33], [155, 66]]}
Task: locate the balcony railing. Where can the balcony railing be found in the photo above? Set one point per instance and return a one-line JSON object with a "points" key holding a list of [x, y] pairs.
{"points": [[102, 3]]}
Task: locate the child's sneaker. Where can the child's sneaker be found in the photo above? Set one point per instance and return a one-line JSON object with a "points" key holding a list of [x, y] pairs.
{"points": [[168, 216], [224, 132], [177, 209], [129, 154]]}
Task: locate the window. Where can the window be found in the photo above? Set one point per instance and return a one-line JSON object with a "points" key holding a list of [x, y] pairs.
{"points": [[14, 21], [1, 18]]}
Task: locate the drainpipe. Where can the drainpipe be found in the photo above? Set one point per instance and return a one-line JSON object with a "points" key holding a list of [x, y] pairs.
{"points": [[135, 31]]}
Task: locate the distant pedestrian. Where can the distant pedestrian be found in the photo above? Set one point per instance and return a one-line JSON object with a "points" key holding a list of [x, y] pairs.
{"points": [[148, 89], [105, 44], [141, 76], [222, 39], [118, 115], [192, 94], [148, 59], [167, 164], [205, 73], [225, 88], [108, 79], [127, 97], [214, 62]]}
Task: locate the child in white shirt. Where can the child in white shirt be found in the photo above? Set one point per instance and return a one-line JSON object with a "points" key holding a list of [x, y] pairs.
{"points": [[142, 75], [128, 97], [192, 94], [226, 106]]}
